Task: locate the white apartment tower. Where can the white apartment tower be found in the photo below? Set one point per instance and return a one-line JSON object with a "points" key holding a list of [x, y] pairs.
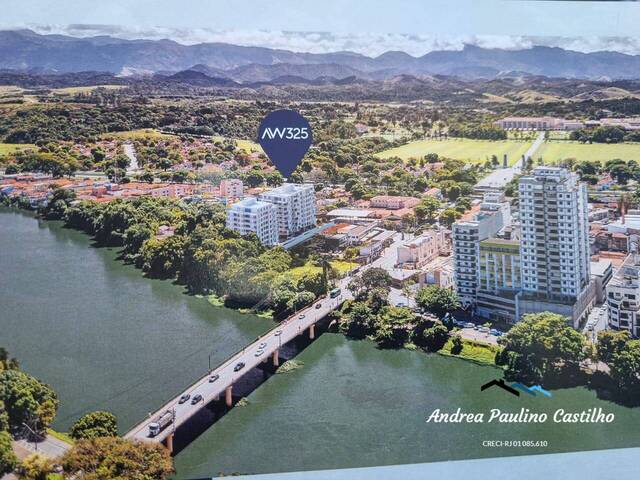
{"points": [[251, 215], [554, 242], [295, 206], [466, 236]]}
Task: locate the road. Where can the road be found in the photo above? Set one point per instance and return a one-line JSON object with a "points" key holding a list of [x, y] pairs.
{"points": [[272, 341], [130, 151], [499, 178]]}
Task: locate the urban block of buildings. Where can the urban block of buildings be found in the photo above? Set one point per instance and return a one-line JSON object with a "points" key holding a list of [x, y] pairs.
{"points": [[503, 272]]}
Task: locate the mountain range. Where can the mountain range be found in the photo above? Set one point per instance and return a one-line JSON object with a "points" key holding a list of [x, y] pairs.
{"points": [[228, 65]]}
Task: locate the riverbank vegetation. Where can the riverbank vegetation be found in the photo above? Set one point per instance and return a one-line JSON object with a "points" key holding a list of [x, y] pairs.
{"points": [[201, 254]]}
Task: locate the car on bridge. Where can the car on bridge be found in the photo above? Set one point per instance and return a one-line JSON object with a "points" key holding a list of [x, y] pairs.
{"points": [[184, 398], [213, 378], [239, 366], [196, 398], [259, 352], [318, 306]]}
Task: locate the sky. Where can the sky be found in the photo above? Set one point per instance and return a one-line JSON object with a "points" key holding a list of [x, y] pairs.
{"points": [[370, 27]]}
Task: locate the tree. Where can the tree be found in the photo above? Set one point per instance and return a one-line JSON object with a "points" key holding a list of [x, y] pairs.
{"points": [[8, 459], [26, 398], [456, 345], [611, 342], [625, 370], [35, 467], [540, 347], [113, 457], [372, 279], [437, 300], [449, 216], [95, 424], [359, 321], [426, 210], [435, 337], [393, 326]]}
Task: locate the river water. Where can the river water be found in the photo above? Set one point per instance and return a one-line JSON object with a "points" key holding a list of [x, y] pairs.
{"points": [[106, 338]]}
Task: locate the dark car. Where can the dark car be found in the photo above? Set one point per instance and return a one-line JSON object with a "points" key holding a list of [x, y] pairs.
{"points": [[318, 305], [196, 398], [213, 378], [239, 366], [184, 398]]}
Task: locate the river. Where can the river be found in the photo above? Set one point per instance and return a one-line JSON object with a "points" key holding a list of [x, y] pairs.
{"points": [[106, 338]]}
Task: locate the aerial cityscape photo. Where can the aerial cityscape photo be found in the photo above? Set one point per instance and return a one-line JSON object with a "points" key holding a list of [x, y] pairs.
{"points": [[257, 248]]}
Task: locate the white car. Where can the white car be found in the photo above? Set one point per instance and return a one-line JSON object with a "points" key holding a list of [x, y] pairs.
{"points": [[259, 352]]}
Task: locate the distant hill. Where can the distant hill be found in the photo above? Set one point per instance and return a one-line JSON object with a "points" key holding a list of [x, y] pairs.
{"points": [[27, 51]]}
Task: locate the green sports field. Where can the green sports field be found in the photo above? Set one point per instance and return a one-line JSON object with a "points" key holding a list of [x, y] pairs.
{"points": [[552, 152], [474, 151]]}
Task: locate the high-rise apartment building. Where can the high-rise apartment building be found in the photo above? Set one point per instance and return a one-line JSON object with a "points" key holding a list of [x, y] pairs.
{"points": [[554, 234], [295, 207], [466, 235], [251, 215]]}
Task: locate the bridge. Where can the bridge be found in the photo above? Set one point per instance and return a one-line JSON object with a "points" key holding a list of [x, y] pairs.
{"points": [[238, 364]]}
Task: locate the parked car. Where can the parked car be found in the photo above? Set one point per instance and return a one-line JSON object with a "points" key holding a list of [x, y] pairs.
{"points": [[469, 325], [184, 398], [196, 398], [239, 366], [483, 329], [213, 378]]}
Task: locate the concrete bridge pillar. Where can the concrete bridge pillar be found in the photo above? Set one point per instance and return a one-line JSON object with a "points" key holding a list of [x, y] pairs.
{"points": [[276, 359], [169, 443], [227, 396], [312, 331]]}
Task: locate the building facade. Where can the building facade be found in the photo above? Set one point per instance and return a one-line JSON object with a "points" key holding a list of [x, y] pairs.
{"points": [[555, 250], [466, 235], [295, 206], [231, 188], [253, 216], [421, 250], [623, 297]]}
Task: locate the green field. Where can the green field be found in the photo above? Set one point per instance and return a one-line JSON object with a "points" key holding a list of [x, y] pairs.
{"points": [[88, 89], [552, 152], [6, 148], [137, 134], [474, 151]]}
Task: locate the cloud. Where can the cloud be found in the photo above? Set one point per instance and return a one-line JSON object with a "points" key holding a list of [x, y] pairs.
{"points": [[370, 44]]}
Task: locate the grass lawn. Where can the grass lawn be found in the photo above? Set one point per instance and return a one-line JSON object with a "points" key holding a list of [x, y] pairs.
{"points": [[75, 90], [247, 145], [61, 436], [6, 148], [483, 353], [137, 134], [474, 151], [341, 267], [552, 152]]}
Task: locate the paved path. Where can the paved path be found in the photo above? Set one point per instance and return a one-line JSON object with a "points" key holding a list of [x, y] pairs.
{"points": [[499, 178]]}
